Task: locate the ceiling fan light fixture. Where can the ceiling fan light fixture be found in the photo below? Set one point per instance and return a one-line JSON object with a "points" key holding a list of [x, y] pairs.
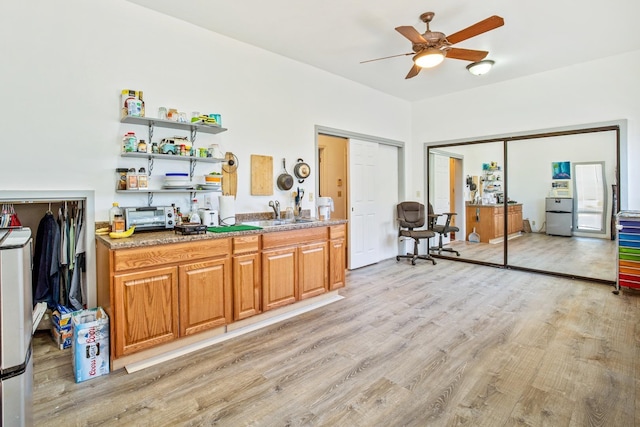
{"points": [[429, 58], [481, 67]]}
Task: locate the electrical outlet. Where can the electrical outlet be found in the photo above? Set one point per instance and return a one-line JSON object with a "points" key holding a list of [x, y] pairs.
{"points": [[418, 193], [533, 223], [311, 197]]}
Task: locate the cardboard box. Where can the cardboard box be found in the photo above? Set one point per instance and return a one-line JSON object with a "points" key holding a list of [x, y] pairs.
{"points": [[61, 318], [63, 339], [90, 343]]}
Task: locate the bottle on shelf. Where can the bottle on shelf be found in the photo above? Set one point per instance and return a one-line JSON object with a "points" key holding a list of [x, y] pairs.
{"points": [[141, 103], [113, 212]]}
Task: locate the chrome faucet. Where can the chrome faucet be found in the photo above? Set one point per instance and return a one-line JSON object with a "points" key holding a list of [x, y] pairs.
{"points": [[276, 208]]}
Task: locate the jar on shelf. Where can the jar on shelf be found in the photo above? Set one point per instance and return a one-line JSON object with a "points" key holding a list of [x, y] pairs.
{"points": [[143, 179], [142, 146], [132, 179], [129, 142]]}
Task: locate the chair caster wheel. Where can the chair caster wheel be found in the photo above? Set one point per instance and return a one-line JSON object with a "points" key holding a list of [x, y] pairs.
{"points": [[397, 258], [413, 262]]}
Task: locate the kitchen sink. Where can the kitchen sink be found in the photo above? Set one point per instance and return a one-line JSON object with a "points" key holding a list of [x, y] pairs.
{"points": [[276, 222]]}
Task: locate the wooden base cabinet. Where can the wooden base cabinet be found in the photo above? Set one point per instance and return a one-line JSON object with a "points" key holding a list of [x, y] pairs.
{"points": [[161, 297], [294, 266], [247, 281], [313, 274], [337, 257], [279, 281], [160, 293], [488, 220], [205, 295], [147, 312]]}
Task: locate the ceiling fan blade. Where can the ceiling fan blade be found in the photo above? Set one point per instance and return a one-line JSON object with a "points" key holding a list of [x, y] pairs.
{"points": [[488, 24], [387, 57], [467, 54], [413, 72], [412, 34]]}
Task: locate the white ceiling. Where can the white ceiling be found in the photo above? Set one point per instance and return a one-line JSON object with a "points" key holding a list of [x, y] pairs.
{"points": [[336, 35]]}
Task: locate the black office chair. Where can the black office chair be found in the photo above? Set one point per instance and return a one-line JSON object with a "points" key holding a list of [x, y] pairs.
{"points": [[441, 229], [411, 215]]}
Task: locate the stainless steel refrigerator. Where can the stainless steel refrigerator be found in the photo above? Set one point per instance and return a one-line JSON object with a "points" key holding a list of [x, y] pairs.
{"points": [[16, 328], [559, 216]]}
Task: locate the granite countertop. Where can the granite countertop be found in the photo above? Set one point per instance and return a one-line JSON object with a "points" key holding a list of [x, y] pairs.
{"points": [[151, 238], [491, 205]]}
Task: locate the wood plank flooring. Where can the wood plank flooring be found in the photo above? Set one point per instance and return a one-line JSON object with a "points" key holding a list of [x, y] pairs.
{"points": [[580, 256], [453, 344]]}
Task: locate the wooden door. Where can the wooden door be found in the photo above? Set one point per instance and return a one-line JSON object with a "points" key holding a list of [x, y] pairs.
{"points": [[246, 286], [145, 309], [279, 277], [313, 272], [337, 264], [205, 296]]}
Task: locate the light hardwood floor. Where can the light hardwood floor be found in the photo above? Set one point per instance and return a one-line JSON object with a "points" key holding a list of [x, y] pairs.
{"points": [[580, 256], [424, 345]]}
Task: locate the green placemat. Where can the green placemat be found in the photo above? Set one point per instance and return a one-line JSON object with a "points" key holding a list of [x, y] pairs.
{"points": [[233, 228]]}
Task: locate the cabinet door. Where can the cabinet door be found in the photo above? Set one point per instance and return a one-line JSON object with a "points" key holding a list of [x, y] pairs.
{"points": [[337, 264], [246, 286], [312, 270], [279, 281], [205, 296], [498, 222], [515, 219], [145, 309]]}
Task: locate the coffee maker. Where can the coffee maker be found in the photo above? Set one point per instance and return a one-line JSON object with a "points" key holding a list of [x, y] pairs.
{"points": [[325, 207]]}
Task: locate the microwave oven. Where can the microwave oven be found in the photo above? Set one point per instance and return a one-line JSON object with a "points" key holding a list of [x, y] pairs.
{"points": [[149, 217]]}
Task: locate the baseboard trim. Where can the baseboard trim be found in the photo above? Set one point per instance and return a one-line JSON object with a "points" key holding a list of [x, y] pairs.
{"points": [[260, 321]]}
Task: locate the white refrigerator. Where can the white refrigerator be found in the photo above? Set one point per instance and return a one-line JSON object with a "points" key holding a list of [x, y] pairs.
{"points": [[16, 328]]}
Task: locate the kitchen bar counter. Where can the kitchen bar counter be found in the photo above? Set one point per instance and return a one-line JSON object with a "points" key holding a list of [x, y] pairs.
{"points": [[152, 238], [488, 220], [168, 293]]}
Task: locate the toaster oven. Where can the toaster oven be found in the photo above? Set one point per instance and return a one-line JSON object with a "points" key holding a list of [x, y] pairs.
{"points": [[149, 217]]}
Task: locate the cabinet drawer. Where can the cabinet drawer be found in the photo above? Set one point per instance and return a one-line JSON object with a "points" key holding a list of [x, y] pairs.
{"points": [[149, 256], [246, 244], [337, 232], [294, 237]]}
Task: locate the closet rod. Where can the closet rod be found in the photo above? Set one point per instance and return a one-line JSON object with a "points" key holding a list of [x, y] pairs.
{"points": [[54, 200]]}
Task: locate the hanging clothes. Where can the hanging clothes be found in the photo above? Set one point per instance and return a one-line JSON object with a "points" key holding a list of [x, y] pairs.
{"points": [[77, 291], [46, 277]]}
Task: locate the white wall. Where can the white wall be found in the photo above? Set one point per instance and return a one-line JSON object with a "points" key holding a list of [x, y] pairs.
{"points": [[594, 92], [63, 67]]}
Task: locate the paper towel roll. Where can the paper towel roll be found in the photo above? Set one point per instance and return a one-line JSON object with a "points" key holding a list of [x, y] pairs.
{"points": [[227, 210]]}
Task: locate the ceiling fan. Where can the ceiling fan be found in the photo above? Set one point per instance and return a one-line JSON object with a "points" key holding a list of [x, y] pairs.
{"points": [[431, 47]]}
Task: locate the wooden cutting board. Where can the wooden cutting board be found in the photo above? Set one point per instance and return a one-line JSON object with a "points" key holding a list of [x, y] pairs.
{"points": [[261, 175], [229, 177]]}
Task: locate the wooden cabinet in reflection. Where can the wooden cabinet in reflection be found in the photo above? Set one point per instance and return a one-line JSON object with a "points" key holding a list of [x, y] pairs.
{"points": [[488, 220]]}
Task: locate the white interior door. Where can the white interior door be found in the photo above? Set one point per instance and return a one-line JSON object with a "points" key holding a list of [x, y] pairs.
{"points": [[440, 196], [363, 229], [387, 198]]}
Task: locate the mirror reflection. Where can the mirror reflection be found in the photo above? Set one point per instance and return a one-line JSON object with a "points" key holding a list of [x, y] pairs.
{"points": [[547, 206]]}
